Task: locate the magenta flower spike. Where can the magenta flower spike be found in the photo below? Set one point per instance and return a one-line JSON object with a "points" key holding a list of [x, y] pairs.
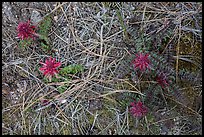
{"points": [[162, 80], [138, 109], [25, 30], [141, 61], [49, 68]]}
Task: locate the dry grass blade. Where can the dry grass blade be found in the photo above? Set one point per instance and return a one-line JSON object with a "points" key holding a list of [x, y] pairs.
{"points": [[103, 38]]}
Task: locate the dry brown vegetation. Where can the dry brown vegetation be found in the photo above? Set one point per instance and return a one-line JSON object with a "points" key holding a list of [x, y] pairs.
{"points": [[100, 36]]}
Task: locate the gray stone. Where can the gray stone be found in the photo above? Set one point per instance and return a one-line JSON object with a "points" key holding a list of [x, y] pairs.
{"points": [[36, 17]]}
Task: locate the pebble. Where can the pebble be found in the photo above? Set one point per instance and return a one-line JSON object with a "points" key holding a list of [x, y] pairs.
{"points": [[36, 17]]}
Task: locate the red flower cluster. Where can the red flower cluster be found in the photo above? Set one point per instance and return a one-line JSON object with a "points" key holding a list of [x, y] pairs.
{"points": [[138, 109], [141, 61], [25, 30], [50, 67], [162, 80]]}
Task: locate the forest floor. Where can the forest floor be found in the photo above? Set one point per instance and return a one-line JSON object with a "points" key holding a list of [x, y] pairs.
{"points": [[103, 37]]}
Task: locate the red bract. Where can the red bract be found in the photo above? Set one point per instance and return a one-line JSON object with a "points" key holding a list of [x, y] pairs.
{"points": [[162, 80], [25, 30], [138, 109], [50, 67], [141, 61], [44, 102]]}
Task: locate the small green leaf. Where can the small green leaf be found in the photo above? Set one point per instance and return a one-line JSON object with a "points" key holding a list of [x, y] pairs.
{"points": [[54, 79], [71, 69], [45, 47], [62, 89], [45, 26], [26, 42]]}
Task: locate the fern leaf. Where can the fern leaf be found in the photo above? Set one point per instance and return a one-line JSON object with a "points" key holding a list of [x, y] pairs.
{"points": [[71, 69]]}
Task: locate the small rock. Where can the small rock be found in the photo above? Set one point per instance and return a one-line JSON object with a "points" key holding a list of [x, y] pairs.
{"points": [[63, 101], [56, 18], [36, 17]]}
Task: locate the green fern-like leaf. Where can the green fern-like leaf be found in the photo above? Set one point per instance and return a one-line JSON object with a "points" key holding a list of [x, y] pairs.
{"points": [[62, 89], [71, 69], [127, 98], [26, 42], [45, 26], [54, 79], [45, 47]]}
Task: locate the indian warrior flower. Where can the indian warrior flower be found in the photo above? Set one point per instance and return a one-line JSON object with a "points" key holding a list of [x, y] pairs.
{"points": [[138, 109], [162, 80], [141, 61], [25, 30], [49, 68]]}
